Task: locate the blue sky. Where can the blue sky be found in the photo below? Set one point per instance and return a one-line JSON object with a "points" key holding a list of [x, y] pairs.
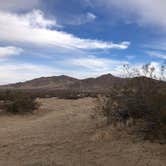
{"points": [[80, 38]]}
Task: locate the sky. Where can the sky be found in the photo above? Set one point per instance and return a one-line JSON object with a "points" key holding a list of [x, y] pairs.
{"points": [[79, 38]]}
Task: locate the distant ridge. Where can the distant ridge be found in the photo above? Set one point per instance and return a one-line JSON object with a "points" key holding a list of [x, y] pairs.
{"points": [[63, 82]]}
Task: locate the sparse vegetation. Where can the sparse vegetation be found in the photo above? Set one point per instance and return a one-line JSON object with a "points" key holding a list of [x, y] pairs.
{"points": [[143, 100], [18, 102]]}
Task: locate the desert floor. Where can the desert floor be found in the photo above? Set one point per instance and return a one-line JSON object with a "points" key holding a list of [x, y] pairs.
{"points": [[65, 133]]}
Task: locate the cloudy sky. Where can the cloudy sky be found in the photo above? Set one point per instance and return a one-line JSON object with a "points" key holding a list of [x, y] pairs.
{"points": [[80, 38]]}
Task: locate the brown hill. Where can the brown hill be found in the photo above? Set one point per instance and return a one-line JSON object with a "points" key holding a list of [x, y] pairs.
{"points": [[101, 83], [55, 82], [68, 83]]}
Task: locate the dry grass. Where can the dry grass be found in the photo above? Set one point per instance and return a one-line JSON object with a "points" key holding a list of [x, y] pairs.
{"points": [[63, 133]]}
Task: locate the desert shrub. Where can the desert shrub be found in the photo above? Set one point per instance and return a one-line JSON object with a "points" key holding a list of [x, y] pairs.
{"points": [[19, 102], [145, 105], [112, 107], [141, 99]]}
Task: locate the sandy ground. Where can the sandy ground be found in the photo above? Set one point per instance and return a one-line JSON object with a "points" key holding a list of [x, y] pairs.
{"points": [[63, 133]]}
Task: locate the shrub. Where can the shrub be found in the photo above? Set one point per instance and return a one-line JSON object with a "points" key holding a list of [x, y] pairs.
{"points": [[19, 102], [141, 99], [139, 105]]}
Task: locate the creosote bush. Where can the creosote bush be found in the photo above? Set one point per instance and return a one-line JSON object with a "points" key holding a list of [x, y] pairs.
{"points": [[141, 99], [18, 102]]}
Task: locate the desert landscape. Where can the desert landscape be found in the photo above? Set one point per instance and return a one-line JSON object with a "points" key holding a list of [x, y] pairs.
{"points": [[82, 83], [66, 133]]}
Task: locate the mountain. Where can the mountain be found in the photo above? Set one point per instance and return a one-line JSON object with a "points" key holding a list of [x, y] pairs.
{"points": [[102, 83], [68, 83], [55, 82]]}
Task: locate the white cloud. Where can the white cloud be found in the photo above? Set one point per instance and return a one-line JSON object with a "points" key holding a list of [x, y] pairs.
{"points": [[157, 67], [99, 65], [86, 18], [9, 51], [90, 67], [36, 19], [156, 54], [33, 28], [144, 12], [115, 67], [81, 19], [12, 72], [15, 5], [16, 72], [91, 16], [136, 70]]}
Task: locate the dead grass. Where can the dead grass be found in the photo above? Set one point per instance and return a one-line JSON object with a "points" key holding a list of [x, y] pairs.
{"points": [[63, 133]]}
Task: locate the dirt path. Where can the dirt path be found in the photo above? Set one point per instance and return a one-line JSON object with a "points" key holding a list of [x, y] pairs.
{"points": [[63, 133]]}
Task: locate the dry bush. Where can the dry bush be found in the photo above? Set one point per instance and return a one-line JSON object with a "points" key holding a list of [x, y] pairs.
{"points": [[143, 100], [19, 102]]}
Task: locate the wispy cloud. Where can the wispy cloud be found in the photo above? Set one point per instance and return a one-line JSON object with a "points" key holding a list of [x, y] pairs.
{"points": [[100, 65], [33, 28], [144, 12], [16, 72], [157, 54], [159, 45], [15, 5], [93, 61], [12, 72], [80, 68], [9, 51], [82, 19]]}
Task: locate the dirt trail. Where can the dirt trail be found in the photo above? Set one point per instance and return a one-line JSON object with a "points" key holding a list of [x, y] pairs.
{"points": [[63, 133]]}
